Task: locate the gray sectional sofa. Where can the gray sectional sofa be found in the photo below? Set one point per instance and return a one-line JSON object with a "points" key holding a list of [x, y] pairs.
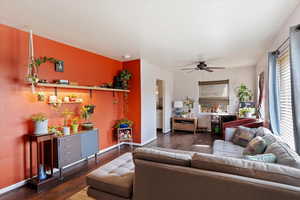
{"points": [[166, 174]]}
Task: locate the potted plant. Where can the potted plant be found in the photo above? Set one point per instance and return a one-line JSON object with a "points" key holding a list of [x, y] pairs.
{"points": [[40, 123], [66, 114], [124, 123], [75, 124], [244, 93], [86, 112], [246, 112], [125, 76], [41, 96]]}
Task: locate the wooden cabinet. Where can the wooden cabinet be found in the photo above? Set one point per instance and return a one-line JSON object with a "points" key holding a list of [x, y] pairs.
{"points": [[184, 124]]}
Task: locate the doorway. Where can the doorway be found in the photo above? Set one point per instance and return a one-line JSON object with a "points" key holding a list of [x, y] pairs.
{"points": [[159, 105]]}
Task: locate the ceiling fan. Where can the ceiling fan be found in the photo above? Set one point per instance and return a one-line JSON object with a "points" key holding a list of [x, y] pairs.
{"points": [[201, 65]]}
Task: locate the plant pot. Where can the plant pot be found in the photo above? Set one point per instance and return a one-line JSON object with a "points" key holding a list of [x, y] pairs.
{"points": [[75, 128], [41, 127], [124, 125], [248, 114], [66, 130], [87, 125]]}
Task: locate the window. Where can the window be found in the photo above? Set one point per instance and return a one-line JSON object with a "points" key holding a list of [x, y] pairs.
{"points": [[284, 83]]}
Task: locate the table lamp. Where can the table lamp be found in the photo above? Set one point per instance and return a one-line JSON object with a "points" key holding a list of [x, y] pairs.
{"points": [[178, 105]]}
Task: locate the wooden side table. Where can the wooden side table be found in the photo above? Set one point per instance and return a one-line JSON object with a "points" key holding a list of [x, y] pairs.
{"points": [[184, 124], [39, 140]]}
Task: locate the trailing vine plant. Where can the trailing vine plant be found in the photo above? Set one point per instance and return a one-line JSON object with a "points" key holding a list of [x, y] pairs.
{"points": [[32, 76]]}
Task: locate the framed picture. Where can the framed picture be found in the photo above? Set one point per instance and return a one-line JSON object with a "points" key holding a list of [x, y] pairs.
{"points": [[59, 66], [124, 134]]}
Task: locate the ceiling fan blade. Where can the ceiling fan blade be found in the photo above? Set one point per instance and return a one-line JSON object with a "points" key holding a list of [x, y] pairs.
{"points": [[188, 68], [216, 67], [207, 69], [186, 65]]}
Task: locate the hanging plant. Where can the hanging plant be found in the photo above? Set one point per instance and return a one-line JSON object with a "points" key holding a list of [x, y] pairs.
{"points": [[32, 76], [125, 76]]}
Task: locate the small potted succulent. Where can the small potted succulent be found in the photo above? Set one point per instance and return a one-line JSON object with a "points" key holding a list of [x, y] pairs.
{"points": [[124, 123], [67, 115], [75, 124], [40, 123], [86, 112]]}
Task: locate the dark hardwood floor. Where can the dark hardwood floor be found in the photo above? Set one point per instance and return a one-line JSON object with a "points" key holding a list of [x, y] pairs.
{"points": [[74, 179]]}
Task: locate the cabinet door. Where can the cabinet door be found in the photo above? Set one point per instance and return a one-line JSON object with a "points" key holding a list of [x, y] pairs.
{"points": [[89, 143], [69, 150]]}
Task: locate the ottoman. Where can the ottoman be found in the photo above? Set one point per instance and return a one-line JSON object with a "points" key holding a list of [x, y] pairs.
{"points": [[112, 181]]}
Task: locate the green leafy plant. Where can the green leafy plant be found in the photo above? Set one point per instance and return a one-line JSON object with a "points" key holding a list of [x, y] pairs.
{"points": [[123, 121], [39, 117], [75, 121], [86, 112], [125, 76], [244, 93], [35, 64], [244, 111]]}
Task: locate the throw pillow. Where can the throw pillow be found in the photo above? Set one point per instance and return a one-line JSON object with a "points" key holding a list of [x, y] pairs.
{"points": [[255, 146], [270, 138], [243, 136], [285, 155], [267, 158], [262, 131], [229, 132]]}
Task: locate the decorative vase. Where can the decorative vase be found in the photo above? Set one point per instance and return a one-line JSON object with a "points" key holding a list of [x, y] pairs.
{"points": [[75, 128], [66, 130], [41, 127], [42, 173]]}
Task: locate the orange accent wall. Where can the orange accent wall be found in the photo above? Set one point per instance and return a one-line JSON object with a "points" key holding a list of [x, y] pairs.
{"points": [[134, 97], [17, 103]]}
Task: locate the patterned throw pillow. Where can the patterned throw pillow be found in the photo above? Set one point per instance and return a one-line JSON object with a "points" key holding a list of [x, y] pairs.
{"points": [[255, 146], [267, 158], [243, 136], [262, 131], [285, 155], [270, 138]]}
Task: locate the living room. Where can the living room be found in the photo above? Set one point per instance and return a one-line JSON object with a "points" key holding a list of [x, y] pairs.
{"points": [[145, 100]]}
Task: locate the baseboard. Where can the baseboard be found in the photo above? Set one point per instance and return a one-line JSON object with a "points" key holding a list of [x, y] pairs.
{"points": [[22, 183], [12, 187]]}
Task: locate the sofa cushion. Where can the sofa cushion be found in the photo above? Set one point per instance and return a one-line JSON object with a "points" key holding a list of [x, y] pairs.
{"points": [[115, 177], [225, 148], [164, 156], [255, 146], [259, 170], [243, 135], [285, 155], [262, 131], [229, 132], [267, 158]]}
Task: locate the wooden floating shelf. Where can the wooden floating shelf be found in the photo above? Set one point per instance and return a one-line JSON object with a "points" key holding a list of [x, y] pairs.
{"points": [[52, 85], [67, 103]]}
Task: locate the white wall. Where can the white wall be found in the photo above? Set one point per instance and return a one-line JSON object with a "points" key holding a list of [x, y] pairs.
{"points": [[283, 34], [149, 74], [186, 84]]}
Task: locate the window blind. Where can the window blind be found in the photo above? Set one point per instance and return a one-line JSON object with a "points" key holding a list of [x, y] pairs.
{"points": [[284, 82]]}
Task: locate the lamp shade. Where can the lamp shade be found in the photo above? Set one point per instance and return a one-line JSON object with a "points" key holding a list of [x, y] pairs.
{"points": [[178, 104]]}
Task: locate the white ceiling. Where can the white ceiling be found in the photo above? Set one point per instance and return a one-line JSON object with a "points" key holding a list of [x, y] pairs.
{"points": [[168, 33]]}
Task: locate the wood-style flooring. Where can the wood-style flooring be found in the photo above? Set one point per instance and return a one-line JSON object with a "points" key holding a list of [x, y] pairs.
{"points": [[74, 179]]}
